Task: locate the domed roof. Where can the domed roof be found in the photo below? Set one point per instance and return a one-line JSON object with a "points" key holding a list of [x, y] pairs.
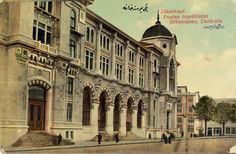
{"points": [[157, 30]]}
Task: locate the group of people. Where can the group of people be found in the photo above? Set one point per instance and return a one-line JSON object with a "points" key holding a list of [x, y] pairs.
{"points": [[115, 137], [167, 137]]}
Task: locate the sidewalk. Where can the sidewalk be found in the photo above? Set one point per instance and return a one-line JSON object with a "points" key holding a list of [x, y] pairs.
{"points": [[80, 144]]}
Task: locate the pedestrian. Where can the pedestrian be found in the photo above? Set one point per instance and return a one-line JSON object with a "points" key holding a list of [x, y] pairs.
{"points": [[182, 134], [117, 138], [149, 136], [163, 137], [169, 139], [99, 138], [59, 138], [166, 138]]}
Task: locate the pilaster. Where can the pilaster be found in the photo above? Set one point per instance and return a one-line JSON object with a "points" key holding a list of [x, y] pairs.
{"points": [[94, 116], [109, 117], [137, 67], [123, 121], [126, 71], [98, 52], [113, 56]]}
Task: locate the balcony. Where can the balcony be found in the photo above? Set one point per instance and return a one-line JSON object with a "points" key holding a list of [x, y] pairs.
{"points": [[45, 47]]}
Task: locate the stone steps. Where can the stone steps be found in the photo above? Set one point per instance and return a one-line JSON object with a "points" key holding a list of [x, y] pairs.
{"points": [[38, 139]]}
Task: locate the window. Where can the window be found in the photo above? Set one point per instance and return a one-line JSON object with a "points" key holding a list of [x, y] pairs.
{"points": [[141, 61], [179, 120], [72, 19], [190, 99], [72, 48], [179, 109], [70, 86], [217, 130], [172, 76], [67, 134], [119, 50], [178, 91], [191, 120], [69, 112], [108, 44], [227, 130], [131, 76], [104, 42], [87, 34], [119, 71], [92, 36], [190, 109], [156, 80], [71, 134], [141, 79], [131, 56], [100, 40], [154, 121], [190, 128], [46, 6], [156, 65], [104, 65], [154, 105], [89, 60], [233, 130], [42, 32]]}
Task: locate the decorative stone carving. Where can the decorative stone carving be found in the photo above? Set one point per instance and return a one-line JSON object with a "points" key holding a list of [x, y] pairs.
{"points": [[21, 55]]}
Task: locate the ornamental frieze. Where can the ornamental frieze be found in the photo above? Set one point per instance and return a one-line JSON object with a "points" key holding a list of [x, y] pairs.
{"points": [[21, 55]]}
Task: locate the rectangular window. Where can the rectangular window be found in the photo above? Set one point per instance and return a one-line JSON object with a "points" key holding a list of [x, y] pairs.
{"points": [[70, 86], [131, 76], [69, 112], [104, 65], [72, 48], [233, 130], [46, 6], [141, 79], [67, 134], [89, 60], [179, 109], [190, 109], [71, 134], [42, 32], [119, 71], [227, 130], [154, 121], [190, 129], [154, 105]]}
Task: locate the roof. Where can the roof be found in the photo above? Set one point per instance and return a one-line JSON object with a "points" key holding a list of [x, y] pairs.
{"points": [[157, 30]]}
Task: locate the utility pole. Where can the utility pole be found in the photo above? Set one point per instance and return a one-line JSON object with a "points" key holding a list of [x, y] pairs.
{"points": [[186, 124]]}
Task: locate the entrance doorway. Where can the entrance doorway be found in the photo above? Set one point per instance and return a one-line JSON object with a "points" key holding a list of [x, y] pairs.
{"points": [[129, 113], [102, 111], [36, 113]]}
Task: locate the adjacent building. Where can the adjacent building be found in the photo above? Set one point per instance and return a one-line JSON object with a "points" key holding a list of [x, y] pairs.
{"points": [[186, 119], [64, 69]]}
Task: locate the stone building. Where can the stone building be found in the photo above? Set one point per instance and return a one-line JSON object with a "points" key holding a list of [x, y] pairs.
{"points": [[185, 113], [64, 69]]}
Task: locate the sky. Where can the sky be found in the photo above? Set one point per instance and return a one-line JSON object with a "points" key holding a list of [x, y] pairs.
{"points": [[207, 56]]}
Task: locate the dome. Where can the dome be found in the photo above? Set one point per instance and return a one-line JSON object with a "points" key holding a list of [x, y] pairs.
{"points": [[157, 30]]}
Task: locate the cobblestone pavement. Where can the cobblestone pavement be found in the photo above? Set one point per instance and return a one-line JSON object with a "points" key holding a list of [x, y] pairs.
{"points": [[204, 145]]}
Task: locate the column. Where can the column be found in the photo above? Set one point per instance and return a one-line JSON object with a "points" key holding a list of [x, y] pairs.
{"points": [[126, 70], [144, 126], [98, 52], [94, 116], [147, 78], [134, 120], [123, 121], [137, 67], [48, 110], [113, 56], [109, 119]]}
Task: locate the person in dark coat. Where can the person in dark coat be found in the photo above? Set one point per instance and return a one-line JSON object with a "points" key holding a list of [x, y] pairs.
{"points": [[163, 137], [182, 134], [117, 138], [59, 138], [149, 136], [169, 139], [99, 138]]}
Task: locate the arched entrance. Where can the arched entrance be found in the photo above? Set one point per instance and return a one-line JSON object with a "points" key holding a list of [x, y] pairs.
{"points": [[116, 115], [102, 111], [129, 114], [37, 103], [168, 120], [139, 114], [86, 105]]}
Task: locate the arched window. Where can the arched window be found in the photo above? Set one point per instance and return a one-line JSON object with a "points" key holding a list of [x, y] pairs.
{"points": [[72, 19], [87, 34], [155, 65], [92, 35], [69, 112]]}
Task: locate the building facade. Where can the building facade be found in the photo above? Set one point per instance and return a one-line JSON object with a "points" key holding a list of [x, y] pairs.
{"points": [[64, 69], [186, 119]]}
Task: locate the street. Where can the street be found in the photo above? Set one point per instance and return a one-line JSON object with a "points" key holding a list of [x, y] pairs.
{"points": [[206, 145]]}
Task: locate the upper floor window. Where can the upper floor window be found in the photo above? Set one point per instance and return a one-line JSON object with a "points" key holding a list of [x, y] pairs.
{"points": [[89, 58], [131, 56], [46, 6], [119, 71], [179, 120], [172, 76], [104, 65], [141, 61], [70, 86], [131, 76], [156, 65], [72, 19], [156, 81], [119, 50], [42, 32], [72, 48], [108, 44], [141, 79], [90, 35]]}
